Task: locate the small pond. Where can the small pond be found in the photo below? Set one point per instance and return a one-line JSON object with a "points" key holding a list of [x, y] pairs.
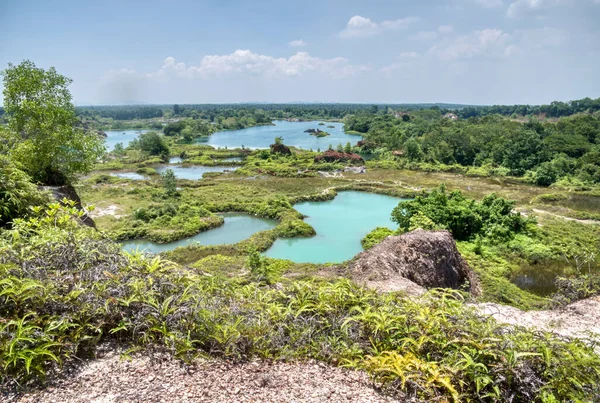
{"points": [[237, 227], [134, 176], [340, 225], [194, 172], [292, 132], [121, 136], [175, 160]]}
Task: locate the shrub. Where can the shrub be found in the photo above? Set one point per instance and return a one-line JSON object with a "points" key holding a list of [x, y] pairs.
{"points": [[493, 217], [17, 193], [375, 237]]}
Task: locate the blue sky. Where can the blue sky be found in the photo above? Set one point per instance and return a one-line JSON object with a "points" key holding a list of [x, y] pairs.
{"points": [[459, 51]]}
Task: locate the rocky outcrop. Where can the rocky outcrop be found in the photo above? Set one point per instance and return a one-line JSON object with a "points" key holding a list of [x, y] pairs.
{"points": [[280, 149], [68, 192], [413, 262], [356, 170], [333, 174], [335, 156]]}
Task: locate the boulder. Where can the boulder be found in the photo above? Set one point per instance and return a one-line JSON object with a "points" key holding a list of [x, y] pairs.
{"points": [[68, 192], [280, 149], [356, 170], [413, 262]]}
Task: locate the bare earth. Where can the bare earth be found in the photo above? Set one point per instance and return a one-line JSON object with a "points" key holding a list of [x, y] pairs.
{"points": [[574, 320], [160, 378], [107, 211]]}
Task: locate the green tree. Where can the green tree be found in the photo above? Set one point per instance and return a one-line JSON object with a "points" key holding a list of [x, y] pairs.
{"points": [[119, 150], [278, 140], [153, 143], [41, 134], [348, 148], [169, 182], [187, 134], [340, 148], [413, 150]]}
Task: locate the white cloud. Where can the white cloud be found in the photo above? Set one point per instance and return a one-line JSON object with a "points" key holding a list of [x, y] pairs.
{"points": [[361, 27], [520, 8], [246, 61], [297, 43], [445, 29], [490, 3], [487, 42]]}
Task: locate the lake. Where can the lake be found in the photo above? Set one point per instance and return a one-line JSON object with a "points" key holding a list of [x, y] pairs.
{"points": [[340, 225], [121, 136], [292, 133], [194, 172], [237, 227]]}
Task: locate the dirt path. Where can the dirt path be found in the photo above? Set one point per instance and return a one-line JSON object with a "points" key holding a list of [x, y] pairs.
{"points": [[588, 222], [160, 378]]}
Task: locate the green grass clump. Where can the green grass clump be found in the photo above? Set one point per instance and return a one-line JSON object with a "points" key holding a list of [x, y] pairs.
{"points": [[376, 236]]}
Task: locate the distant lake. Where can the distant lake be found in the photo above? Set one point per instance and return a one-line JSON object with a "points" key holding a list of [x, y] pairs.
{"points": [[194, 172], [292, 133], [121, 136]]}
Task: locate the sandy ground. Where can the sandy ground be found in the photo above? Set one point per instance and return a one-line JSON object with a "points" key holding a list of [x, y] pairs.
{"points": [[160, 378]]}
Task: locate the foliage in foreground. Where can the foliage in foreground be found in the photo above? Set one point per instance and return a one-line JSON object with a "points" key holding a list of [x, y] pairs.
{"points": [[17, 192], [64, 290], [41, 133]]}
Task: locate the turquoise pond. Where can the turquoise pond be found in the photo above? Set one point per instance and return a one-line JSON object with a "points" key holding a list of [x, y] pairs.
{"points": [[121, 136], [340, 225], [237, 227], [292, 133]]}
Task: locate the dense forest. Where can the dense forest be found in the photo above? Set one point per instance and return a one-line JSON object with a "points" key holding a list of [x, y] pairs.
{"points": [[332, 110], [543, 152]]}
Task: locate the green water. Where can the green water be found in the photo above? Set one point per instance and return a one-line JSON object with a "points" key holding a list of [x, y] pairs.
{"points": [[340, 225], [237, 227]]}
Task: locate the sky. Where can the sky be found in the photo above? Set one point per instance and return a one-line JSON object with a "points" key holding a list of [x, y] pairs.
{"points": [[395, 51]]}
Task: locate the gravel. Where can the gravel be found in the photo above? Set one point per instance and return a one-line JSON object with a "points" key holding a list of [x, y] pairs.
{"points": [[157, 377]]}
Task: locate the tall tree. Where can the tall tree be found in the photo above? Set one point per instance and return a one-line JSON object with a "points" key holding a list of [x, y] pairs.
{"points": [[41, 125]]}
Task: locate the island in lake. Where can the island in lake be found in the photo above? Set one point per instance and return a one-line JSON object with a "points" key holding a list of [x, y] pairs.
{"points": [[317, 132]]}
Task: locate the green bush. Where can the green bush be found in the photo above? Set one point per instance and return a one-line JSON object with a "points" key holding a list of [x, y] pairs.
{"points": [[375, 237], [493, 217], [17, 193]]}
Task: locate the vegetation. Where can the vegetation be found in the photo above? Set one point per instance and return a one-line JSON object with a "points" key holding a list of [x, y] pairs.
{"points": [[65, 288], [543, 153], [432, 348], [465, 218], [40, 133]]}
